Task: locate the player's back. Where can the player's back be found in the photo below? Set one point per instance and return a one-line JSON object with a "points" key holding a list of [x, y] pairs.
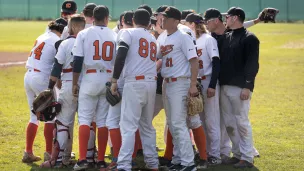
{"points": [[98, 47], [141, 55], [42, 54]]}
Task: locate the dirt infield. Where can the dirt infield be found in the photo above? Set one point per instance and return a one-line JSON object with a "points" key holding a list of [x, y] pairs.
{"points": [[12, 58]]}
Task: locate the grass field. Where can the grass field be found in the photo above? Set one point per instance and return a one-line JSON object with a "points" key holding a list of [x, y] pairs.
{"points": [[276, 113]]}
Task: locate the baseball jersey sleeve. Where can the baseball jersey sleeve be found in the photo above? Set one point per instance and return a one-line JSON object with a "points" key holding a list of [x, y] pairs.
{"points": [[188, 47], [60, 56], [65, 33], [78, 46], [125, 36], [212, 48]]}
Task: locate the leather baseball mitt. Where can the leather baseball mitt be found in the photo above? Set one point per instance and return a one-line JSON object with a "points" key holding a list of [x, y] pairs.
{"points": [[43, 100], [268, 15], [196, 104], [112, 99]]}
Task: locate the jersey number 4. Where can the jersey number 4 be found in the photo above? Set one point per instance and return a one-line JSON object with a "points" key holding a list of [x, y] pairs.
{"points": [[106, 47], [144, 48], [38, 50]]}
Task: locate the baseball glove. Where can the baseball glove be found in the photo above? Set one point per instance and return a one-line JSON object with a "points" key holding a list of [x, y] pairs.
{"points": [[43, 100], [196, 104], [268, 15], [112, 99]]}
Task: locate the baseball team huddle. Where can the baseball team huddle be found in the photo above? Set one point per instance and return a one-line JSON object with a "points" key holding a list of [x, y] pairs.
{"points": [[152, 60]]}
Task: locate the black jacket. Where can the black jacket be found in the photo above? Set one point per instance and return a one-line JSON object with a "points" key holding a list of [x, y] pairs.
{"points": [[239, 54]]}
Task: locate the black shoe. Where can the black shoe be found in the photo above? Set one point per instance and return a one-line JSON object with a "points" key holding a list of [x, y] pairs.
{"points": [[101, 164], [163, 161], [202, 164], [243, 164], [173, 167], [214, 161], [185, 168], [233, 160], [80, 165]]}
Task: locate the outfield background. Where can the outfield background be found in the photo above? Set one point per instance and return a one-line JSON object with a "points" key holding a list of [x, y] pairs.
{"points": [[290, 10]]}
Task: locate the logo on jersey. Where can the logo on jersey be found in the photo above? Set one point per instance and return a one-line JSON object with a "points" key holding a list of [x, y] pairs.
{"points": [[199, 52], [165, 50], [68, 5]]}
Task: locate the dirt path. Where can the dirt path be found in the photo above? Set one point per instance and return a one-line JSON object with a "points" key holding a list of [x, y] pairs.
{"points": [[12, 58]]}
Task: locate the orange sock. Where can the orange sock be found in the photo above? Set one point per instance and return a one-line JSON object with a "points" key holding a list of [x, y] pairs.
{"points": [[169, 146], [200, 141], [136, 145], [102, 142], [48, 135], [31, 131], [116, 141], [84, 135]]}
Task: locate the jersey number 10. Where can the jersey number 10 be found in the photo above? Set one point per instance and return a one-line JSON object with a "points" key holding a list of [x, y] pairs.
{"points": [[104, 56]]}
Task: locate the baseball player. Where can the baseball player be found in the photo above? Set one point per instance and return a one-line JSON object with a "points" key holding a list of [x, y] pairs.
{"points": [[136, 56], [65, 119], [238, 71], [87, 12], [114, 115], [214, 23], [179, 69], [119, 23], [209, 64], [39, 65], [93, 53]]}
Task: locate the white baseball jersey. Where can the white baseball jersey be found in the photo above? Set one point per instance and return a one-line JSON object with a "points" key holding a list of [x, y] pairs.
{"points": [[206, 49], [176, 51], [65, 57], [116, 30], [186, 29], [42, 55], [65, 33], [97, 44], [141, 56]]}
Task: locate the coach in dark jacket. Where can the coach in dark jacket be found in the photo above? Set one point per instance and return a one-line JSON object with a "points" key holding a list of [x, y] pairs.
{"points": [[239, 52]]}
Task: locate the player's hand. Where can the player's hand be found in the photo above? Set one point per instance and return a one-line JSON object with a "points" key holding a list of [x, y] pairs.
{"points": [[114, 89], [59, 84], [75, 90], [210, 92], [193, 92], [245, 93]]}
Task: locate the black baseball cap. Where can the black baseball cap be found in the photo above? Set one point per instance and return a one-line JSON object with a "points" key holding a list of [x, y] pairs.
{"points": [[128, 17], [146, 7], [161, 9], [142, 16], [196, 18], [212, 13], [69, 7], [185, 13], [172, 12], [236, 11], [100, 12], [61, 21]]}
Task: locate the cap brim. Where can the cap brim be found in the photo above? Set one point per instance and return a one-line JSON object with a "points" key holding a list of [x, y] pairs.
{"points": [[68, 11]]}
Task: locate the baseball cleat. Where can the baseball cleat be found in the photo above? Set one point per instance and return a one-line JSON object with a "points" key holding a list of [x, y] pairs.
{"points": [[243, 164], [80, 165], [214, 161], [101, 165], [112, 166], [203, 164], [233, 160], [225, 159], [46, 156], [29, 158], [163, 161]]}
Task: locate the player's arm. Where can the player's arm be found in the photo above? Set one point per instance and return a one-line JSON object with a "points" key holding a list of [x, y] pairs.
{"points": [[78, 53], [189, 50], [57, 66], [250, 23], [121, 56], [252, 60]]}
